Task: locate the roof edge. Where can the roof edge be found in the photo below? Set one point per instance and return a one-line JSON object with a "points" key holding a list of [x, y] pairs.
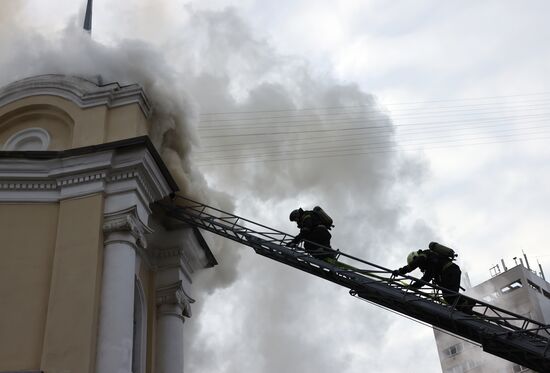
{"points": [[84, 92]]}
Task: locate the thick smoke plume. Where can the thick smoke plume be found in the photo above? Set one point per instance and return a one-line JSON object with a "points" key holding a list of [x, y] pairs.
{"points": [[73, 52], [269, 318]]}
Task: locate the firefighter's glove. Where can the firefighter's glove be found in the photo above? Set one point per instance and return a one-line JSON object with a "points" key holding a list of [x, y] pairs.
{"points": [[395, 273]]}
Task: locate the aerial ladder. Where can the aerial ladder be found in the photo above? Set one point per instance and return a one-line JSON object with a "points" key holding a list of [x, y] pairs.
{"points": [[499, 332]]}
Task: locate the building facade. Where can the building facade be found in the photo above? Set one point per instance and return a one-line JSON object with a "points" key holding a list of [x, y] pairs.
{"points": [[93, 277], [519, 290]]}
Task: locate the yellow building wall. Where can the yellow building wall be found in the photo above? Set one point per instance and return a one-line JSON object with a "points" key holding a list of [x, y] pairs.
{"points": [[69, 125], [71, 325], [28, 240], [51, 254], [124, 122]]}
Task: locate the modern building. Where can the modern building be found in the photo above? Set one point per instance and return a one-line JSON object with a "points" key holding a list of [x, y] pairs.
{"points": [[93, 278], [519, 290]]}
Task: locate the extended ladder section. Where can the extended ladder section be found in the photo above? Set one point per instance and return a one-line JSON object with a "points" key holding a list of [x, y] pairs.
{"points": [[499, 332]]}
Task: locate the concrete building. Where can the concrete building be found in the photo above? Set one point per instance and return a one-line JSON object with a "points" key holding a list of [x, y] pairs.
{"points": [[92, 277], [519, 290]]}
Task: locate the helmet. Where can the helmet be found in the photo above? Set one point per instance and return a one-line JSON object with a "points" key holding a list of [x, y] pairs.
{"points": [[412, 256], [295, 215]]}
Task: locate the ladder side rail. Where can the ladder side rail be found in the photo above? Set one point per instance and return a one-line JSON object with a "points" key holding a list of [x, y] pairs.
{"points": [[241, 218], [346, 278], [358, 278], [228, 231], [519, 349], [224, 222], [478, 304], [232, 230], [514, 350], [479, 332]]}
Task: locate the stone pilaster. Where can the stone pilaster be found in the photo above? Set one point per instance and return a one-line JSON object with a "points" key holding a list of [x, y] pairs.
{"points": [[124, 235]]}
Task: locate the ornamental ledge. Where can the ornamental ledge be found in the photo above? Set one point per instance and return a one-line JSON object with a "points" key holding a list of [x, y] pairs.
{"points": [[49, 183], [83, 92], [29, 185]]}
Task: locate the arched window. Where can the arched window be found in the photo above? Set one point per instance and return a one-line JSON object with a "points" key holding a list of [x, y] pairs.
{"points": [[28, 139], [139, 349]]}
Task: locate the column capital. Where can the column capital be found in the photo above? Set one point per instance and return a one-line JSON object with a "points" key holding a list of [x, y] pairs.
{"points": [[126, 221], [174, 295]]}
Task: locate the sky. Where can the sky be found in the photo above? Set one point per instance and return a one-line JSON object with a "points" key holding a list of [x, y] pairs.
{"points": [[456, 93]]}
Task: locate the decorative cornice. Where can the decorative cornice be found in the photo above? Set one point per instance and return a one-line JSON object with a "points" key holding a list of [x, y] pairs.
{"points": [[174, 295], [112, 171], [28, 185], [165, 259], [83, 92]]}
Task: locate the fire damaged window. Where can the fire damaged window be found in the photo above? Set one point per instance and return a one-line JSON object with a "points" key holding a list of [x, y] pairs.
{"points": [[511, 287], [534, 286], [453, 350]]}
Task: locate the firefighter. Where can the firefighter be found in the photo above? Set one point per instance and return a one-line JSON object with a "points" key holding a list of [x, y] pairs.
{"points": [[314, 232], [439, 269]]}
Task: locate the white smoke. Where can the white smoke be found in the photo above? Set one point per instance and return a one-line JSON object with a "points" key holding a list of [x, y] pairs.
{"points": [[270, 318], [73, 52]]}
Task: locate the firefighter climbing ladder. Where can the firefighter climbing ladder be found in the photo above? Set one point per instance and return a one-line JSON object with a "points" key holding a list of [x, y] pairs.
{"points": [[499, 332]]}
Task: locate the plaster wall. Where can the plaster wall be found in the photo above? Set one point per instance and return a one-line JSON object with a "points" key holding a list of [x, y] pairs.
{"points": [[25, 272], [70, 333], [69, 125]]}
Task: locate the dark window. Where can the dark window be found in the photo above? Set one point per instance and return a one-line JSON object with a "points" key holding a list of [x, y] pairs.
{"points": [[534, 286], [511, 287], [453, 350]]}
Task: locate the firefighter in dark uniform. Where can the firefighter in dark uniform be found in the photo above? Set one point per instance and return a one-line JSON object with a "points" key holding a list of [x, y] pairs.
{"points": [[313, 233], [440, 270]]}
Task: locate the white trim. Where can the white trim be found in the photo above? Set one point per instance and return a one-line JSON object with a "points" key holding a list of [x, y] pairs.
{"points": [[124, 232], [35, 133], [83, 92], [113, 172]]}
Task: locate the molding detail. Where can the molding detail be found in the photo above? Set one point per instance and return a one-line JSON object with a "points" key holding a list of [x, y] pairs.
{"points": [[39, 136], [39, 185], [111, 171], [163, 259], [127, 221], [174, 295], [83, 92], [80, 179]]}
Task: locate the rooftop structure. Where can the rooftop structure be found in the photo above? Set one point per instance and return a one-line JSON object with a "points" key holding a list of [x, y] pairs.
{"points": [[519, 290]]}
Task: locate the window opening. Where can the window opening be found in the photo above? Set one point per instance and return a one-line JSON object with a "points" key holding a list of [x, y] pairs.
{"points": [[534, 286], [454, 350], [511, 287]]}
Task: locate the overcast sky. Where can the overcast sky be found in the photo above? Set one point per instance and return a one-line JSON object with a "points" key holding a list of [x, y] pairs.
{"points": [[458, 92]]}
